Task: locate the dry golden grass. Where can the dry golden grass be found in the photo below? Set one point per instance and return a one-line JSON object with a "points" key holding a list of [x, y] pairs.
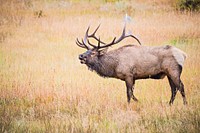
{"points": [[44, 88]]}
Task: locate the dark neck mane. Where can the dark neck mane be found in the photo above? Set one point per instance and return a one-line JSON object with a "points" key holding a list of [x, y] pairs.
{"points": [[104, 66]]}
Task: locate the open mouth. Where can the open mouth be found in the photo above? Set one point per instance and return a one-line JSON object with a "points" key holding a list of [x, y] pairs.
{"points": [[82, 60]]}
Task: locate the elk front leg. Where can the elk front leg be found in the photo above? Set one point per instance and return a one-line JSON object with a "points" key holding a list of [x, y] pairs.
{"points": [[134, 98], [129, 85]]}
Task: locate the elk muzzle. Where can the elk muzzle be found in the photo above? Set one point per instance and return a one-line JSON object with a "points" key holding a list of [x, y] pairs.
{"points": [[82, 59]]}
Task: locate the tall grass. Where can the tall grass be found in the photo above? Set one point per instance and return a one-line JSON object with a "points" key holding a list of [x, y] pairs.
{"points": [[44, 88]]}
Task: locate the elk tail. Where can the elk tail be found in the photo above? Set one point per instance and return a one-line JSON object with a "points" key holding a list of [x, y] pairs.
{"points": [[179, 55]]}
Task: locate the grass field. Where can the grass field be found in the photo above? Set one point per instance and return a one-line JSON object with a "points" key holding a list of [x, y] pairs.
{"points": [[44, 88]]}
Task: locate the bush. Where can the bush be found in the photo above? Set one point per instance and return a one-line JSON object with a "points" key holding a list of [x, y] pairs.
{"points": [[189, 5]]}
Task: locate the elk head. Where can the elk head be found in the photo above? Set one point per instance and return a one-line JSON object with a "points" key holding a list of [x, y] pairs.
{"points": [[94, 52]]}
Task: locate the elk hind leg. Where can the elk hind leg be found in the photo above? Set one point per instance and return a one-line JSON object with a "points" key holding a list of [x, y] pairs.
{"points": [[181, 89], [173, 90], [179, 85]]}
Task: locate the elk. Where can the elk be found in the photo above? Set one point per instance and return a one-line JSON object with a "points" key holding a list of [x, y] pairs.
{"points": [[133, 62]]}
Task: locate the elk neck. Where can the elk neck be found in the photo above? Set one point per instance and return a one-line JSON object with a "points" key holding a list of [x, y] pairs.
{"points": [[104, 66]]}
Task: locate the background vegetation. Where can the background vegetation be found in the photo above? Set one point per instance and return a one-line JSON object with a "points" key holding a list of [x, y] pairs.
{"points": [[44, 88]]}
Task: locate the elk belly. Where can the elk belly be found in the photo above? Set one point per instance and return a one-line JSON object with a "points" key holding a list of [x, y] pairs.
{"points": [[157, 76]]}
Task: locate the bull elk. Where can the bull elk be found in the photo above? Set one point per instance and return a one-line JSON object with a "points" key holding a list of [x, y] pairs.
{"points": [[133, 62]]}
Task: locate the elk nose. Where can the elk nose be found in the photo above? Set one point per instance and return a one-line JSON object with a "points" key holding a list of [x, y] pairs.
{"points": [[81, 57]]}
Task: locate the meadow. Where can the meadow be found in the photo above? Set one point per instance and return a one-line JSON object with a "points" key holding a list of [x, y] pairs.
{"points": [[44, 88]]}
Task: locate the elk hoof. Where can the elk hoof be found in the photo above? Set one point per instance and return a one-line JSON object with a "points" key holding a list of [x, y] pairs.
{"points": [[135, 99]]}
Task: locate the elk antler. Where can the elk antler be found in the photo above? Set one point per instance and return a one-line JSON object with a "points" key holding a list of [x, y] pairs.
{"points": [[114, 41], [82, 45], [84, 41], [92, 36], [123, 36]]}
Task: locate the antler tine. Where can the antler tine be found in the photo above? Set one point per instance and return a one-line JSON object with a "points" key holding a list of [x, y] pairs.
{"points": [[79, 43], [99, 42], [130, 35], [123, 36], [82, 45], [135, 38], [91, 44], [93, 34], [86, 34], [110, 44], [124, 29]]}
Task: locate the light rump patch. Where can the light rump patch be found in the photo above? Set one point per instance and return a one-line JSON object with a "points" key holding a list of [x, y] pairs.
{"points": [[180, 58]]}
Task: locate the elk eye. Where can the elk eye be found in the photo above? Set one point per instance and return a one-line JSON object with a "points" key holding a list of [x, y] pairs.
{"points": [[93, 53]]}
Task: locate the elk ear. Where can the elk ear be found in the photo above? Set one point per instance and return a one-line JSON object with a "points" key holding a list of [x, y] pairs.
{"points": [[102, 52]]}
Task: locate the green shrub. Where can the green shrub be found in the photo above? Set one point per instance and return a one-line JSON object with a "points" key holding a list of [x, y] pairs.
{"points": [[189, 5]]}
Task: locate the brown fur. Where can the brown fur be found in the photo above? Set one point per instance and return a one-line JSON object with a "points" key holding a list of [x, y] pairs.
{"points": [[131, 62]]}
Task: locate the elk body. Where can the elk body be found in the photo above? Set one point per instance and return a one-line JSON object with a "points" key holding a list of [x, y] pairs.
{"points": [[133, 62]]}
